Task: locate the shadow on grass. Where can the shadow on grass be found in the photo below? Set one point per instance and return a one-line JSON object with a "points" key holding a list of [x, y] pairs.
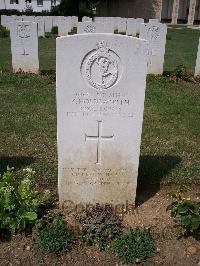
{"points": [[15, 161], [152, 170]]}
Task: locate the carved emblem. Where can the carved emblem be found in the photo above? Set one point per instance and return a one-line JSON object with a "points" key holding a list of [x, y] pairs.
{"points": [[89, 29], [23, 31], [153, 33], [101, 68]]}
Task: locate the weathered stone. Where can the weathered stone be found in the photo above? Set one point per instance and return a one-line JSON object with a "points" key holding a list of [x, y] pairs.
{"points": [[94, 27], [155, 33], [86, 19], [101, 80], [131, 26], [122, 25], [48, 23], [24, 47], [197, 67], [40, 22]]}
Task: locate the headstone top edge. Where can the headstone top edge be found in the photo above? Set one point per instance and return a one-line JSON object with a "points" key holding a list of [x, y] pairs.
{"points": [[93, 35]]}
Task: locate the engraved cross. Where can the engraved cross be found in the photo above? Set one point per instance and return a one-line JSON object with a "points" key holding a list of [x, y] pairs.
{"points": [[99, 139], [24, 53]]}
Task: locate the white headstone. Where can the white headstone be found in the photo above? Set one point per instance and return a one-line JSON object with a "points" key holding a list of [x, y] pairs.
{"points": [[131, 27], [155, 33], [122, 25], [93, 27], [197, 67], [65, 26], [101, 80], [40, 22], [74, 21], [56, 20], [109, 23], [5, 21], [152, 20], [24, 47], [48, 23], [85, 19], [27, 18], [139, 21]]}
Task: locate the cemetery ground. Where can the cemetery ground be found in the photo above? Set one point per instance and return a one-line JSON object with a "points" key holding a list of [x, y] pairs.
{"points": [[169, 151]]}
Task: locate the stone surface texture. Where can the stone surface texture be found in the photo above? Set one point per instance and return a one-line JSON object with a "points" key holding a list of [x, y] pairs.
{"points": [[155, 33], [24, 47], [101, 81]]}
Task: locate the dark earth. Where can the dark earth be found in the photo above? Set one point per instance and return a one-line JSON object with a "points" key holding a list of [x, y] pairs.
{"points": [[150, 212]]}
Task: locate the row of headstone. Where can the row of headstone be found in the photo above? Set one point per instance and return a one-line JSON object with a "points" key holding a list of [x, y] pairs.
{"points": [[21, 34], [130, 26], [45, 23]]}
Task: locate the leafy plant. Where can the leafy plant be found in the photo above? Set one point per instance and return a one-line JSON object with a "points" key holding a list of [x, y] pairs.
{"points": [[54, 30], [181, 72], [3, 32], [135, 246], [53, 234], [19, 203], [100, 226], [186, 213]]}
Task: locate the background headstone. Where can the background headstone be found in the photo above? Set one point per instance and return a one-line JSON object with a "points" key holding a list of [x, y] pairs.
{"points": [[131, 27], [64, 26], [24, 47], [155, 33], [122, 25], [48, 23], [5, 21], [86, 19], [101, 80], [40, 22], [197, 67], [94, 27], [139, 21]]}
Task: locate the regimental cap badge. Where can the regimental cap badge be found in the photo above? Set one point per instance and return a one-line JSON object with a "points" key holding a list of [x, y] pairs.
{"points": [[102, 47], [101, 68]]}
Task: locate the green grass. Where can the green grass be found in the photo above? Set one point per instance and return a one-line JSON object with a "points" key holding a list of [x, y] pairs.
{"points": [[181, 48], [170, 141]]}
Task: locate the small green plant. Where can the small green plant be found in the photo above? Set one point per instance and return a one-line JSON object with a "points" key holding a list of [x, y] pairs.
{"points": [[54, 30], [185, 212], [100, 226], [3, 32], [53, 234], [181, 72], [135, 246], [19, 203]]}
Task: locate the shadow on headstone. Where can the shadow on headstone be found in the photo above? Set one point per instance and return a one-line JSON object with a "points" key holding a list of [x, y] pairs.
{"points": [[14, 161], [152, 170]]}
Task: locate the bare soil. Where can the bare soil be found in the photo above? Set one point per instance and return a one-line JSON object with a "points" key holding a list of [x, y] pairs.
{"points": [[150, 212]]}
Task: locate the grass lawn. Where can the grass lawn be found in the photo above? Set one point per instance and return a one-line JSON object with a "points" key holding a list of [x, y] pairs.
{"points": [[170, 140]]}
